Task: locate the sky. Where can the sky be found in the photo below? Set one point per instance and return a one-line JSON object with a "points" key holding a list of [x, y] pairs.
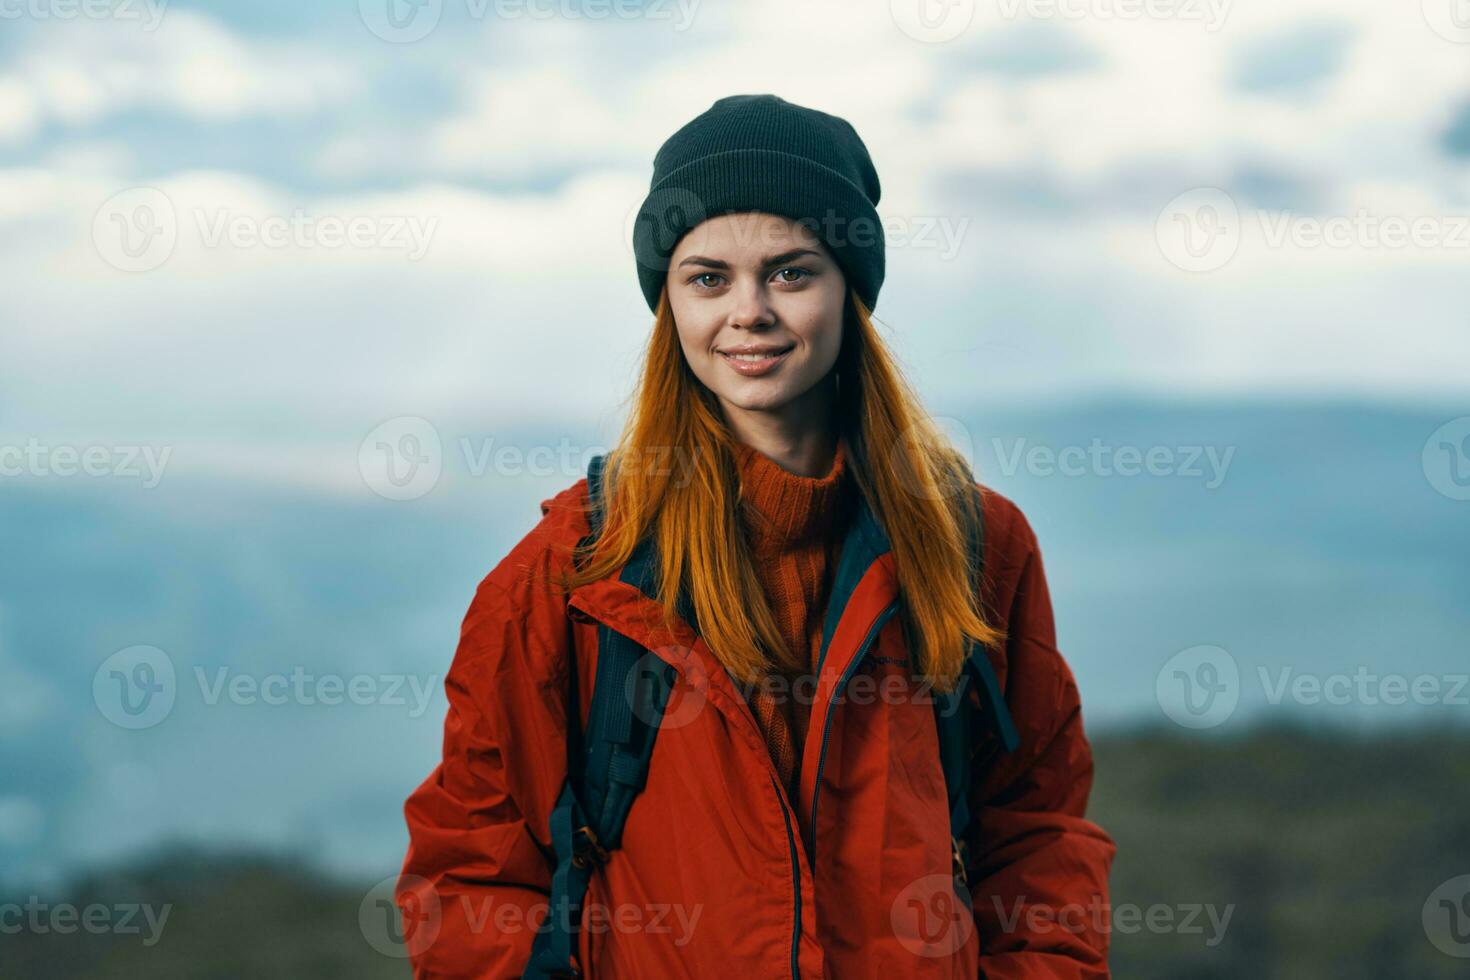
{"points": [[246, 247], [1046, 173]]}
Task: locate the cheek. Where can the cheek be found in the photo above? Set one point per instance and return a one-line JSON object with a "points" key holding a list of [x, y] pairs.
{"points": [[695, 337], [823, 339], [817, 317]]}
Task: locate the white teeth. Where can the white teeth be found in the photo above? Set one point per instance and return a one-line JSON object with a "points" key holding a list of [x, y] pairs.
{"points": [[753, 357]]}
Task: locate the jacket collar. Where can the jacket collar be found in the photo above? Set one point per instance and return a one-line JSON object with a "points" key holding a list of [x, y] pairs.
{"points": [[863, 587]]}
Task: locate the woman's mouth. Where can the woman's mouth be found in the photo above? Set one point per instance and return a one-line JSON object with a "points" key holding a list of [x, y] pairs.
{"points": [[754, 364]]}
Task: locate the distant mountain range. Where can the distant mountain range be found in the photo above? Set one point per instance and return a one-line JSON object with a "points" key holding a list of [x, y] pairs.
{"points": [[1304, 541]]}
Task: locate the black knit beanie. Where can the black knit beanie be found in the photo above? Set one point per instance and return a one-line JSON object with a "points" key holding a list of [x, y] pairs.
{"points": [[762, 153]]}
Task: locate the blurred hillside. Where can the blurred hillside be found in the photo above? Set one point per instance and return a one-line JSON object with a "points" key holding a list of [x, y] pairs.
{"points": [[1327, 843], [1323, 847]]}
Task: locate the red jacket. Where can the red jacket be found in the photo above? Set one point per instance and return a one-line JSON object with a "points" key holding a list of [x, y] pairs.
{"points": [[713, 878]]}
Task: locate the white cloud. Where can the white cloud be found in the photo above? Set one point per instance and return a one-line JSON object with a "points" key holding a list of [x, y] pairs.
{"points": [[1165, 93], [528, 300], [503, 131], [191, 66], [107, 158], [518, 301], [1156, 92], [18, 111]]}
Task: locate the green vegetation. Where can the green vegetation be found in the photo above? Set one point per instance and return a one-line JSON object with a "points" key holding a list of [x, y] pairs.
{"points": [[1328, 844]]}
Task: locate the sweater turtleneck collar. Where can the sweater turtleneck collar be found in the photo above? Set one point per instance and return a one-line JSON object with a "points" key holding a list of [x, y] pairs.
{"points": [[785, 509]]}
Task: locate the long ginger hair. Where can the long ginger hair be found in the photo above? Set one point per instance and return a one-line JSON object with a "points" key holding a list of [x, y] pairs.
{"points": [[917, 486]]}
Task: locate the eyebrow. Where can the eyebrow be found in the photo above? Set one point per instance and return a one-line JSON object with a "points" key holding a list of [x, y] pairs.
{"points": [[795, 253]]}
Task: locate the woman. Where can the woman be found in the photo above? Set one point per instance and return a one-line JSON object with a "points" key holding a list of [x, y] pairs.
{"points": [[790, 814]]}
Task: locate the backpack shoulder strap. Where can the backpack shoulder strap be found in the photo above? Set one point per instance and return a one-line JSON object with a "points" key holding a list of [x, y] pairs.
{"points": [[594, 492], [607, 766], [955, 715]]}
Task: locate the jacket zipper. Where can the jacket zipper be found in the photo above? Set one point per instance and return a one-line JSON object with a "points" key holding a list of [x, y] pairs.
{"points": [[785, 816], [795, 884], [857, 659]]}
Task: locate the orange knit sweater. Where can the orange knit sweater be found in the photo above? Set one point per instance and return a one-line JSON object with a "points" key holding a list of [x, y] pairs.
{"points": [[795, 526]]}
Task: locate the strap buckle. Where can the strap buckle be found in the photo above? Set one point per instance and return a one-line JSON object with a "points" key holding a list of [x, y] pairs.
{"points": [[586, 851], [959, 852]]}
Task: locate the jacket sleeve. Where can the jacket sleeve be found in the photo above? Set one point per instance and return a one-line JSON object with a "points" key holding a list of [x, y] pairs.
{"points": [[476, 877], [1039, 879]]}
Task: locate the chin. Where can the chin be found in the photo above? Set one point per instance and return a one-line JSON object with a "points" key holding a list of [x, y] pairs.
{"points": [[764, 402]]}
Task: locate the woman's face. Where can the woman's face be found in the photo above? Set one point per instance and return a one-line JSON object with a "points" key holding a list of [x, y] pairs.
{"points": [[767, 283]]}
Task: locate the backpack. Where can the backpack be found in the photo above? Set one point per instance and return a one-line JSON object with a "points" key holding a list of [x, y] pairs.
{"points": [[607, 765]]}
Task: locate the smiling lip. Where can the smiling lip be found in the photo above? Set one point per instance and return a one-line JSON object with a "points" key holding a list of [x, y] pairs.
{"points": [[752, 367]]}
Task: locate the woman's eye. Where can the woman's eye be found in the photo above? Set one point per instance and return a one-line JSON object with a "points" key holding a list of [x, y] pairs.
{"points": [[792, 268], [704, 275]]}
